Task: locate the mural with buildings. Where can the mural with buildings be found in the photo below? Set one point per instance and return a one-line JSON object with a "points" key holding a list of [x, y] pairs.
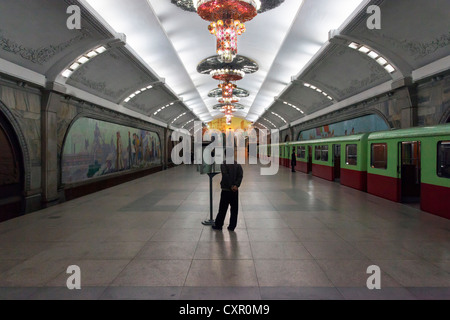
{"points": [[370, 123], [95, 148]]}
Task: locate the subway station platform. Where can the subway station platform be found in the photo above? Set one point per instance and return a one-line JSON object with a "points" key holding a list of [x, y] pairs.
{"points": [[298, 237]]}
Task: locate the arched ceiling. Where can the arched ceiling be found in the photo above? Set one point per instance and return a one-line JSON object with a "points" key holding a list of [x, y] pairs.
{"points": [[306, 67]]}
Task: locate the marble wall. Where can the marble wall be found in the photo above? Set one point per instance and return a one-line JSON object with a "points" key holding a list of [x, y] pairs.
{"points": [[434, 101], [41, 120]]}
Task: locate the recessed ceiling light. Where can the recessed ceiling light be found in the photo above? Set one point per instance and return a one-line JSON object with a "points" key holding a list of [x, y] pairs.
{"points": [[67, 73], [364, 49], [389, 68], [354, 45], [373, 54], [83, 60], [381, 61], [92, 54], [74, 66], [100, 49]]}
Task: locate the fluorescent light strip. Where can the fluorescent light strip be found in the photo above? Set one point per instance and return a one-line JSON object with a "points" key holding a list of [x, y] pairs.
{"points": [[181, 115], [307, 85], [364, 49], [295, 107], [277, 115], [133, 95], [162, 108], [262, 125], [374, 55], [256, 3], [270, 122], [188, 123], [82, 60]]}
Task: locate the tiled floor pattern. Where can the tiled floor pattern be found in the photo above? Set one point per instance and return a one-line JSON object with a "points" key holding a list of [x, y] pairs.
{"points": [[298, 237]]}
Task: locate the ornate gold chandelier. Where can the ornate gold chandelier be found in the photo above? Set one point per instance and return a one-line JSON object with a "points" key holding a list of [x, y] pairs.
{"points": [[227, 18]]}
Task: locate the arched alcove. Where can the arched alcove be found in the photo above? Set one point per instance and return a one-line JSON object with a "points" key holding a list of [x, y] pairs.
{"points": [[11, 172]]}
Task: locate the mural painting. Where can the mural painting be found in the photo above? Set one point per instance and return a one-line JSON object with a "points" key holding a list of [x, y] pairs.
{"points": [[366, 124], [94, 148]]}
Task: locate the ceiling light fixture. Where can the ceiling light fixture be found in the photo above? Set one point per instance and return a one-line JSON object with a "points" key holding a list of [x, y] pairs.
{"points": [[227, 19], [374, 55], [82, 60], [181, 115], [133, 95], [307, 85], [190, 121], [277, 115], [259, 123], [293, 106], [270, 122], [261, 5], [227, 75], [162, 108]]}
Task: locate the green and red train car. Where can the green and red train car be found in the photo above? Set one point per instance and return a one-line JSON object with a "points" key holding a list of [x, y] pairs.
{"points": [[408, 165], [342, 158]]}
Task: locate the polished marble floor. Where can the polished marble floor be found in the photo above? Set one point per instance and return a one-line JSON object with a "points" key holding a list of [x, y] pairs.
{"points": [[298, 237]]}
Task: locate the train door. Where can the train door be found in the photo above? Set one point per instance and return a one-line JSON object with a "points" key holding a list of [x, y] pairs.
{"points": [[310, 159], [410, 168], [337, 161]]}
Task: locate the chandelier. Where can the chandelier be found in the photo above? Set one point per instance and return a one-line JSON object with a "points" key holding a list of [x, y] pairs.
{"points": [[227, 19]]}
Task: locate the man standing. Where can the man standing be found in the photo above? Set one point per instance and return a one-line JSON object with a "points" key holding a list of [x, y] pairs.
{"points": [[293, 160], [232, 175]]}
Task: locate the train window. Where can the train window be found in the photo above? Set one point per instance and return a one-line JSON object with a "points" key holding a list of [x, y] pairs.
{"points": [[379, 156], [318, 154], [324, 153], [301, 152], [443, 153], [351, 154]]}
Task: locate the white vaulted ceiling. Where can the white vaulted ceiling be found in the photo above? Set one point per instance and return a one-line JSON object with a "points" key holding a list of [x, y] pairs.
{"points": [[306, 67], [173, 42]]}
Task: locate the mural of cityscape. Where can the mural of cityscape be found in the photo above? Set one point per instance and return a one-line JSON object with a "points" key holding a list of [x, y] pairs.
{"points": [[370, 123], [94, 148]]}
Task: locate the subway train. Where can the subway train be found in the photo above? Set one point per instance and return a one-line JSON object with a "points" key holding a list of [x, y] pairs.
{"points": [[408, 165]]}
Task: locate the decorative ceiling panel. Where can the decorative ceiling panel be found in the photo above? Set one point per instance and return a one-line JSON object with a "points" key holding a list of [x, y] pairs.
{"points": [[288, 113], [34, 34], [151, 100], [344, 72], [417, 31], [305, 98], [111, 75]]}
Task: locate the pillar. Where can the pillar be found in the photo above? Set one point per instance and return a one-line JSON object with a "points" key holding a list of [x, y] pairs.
{"points": [[49, 140]]}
